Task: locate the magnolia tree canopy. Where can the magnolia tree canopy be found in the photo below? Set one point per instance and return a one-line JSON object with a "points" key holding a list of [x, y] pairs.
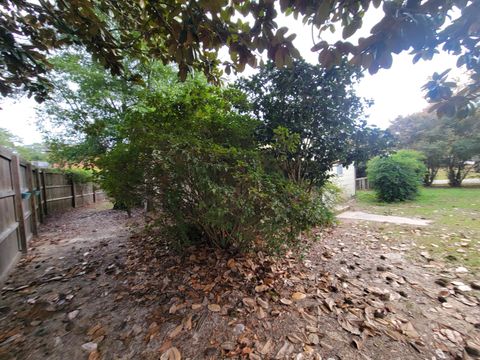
{"points": [[191, 33]]}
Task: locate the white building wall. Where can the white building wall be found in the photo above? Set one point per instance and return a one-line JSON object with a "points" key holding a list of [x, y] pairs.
{"points": [[344, 178]]}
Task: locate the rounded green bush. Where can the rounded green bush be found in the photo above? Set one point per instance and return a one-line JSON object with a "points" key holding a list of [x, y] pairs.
{"points": [[395, 178]]}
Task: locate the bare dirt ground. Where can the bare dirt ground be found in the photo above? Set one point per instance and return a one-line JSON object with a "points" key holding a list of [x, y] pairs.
{"points": [[92, 288]]}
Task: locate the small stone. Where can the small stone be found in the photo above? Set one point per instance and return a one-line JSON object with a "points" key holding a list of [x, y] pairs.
{"points": [[73, 314], [35, 323], [461, 270], [238, 329], [463, 288], [426, 255], [381, 268], [90, 346], [313, 339]]}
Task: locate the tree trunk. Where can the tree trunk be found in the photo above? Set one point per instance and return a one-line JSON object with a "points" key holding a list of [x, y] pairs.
{"points": [[430, 176], [455, 176]]}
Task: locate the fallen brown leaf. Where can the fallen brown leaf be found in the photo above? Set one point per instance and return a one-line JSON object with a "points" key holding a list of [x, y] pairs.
{"points": [[177, 330], [214, 307], [286, 301], [171, 354], [298, 296]]}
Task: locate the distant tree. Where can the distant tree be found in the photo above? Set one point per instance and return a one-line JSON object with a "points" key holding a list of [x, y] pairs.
{"points": [[317, 105], [461, 151], [446, 142], [7, 139], [32, 152], [435, 153], [370, 141], [414, 128], [84, 114]]}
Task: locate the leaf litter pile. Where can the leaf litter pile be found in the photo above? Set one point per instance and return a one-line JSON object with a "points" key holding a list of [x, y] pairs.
{"points": [[353, 295]]}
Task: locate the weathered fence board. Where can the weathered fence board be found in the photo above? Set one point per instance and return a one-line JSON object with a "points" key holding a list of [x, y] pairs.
{"points": [[27, 195], [9, 233]]}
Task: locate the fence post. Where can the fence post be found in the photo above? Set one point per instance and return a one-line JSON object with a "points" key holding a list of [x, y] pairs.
{"points": [[15, 169], [32, 198], [39, 188], [93, 190], [44, 190], [74, 194]]}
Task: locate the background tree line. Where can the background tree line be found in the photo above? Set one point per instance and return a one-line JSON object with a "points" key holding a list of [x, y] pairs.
{"points": [[30, 152], [449, 143]]}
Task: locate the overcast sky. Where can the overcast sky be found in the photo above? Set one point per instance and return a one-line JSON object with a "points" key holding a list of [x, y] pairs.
{"points": [[396, 91]]}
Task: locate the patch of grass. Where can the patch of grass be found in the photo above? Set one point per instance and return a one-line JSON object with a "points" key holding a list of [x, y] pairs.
{"points": [[104, 205], [454, 235]]}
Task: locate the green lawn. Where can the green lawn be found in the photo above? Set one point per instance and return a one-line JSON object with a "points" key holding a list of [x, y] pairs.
{"points": [[455, 233]]}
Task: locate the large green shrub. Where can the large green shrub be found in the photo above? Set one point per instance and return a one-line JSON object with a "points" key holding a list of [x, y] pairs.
{"points": [[196, 157], [414, 159], [224, 196], [396, 177]]}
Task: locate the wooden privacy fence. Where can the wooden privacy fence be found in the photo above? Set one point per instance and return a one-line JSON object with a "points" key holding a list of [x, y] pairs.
{"points": [[361, 183], [27, 195]]}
